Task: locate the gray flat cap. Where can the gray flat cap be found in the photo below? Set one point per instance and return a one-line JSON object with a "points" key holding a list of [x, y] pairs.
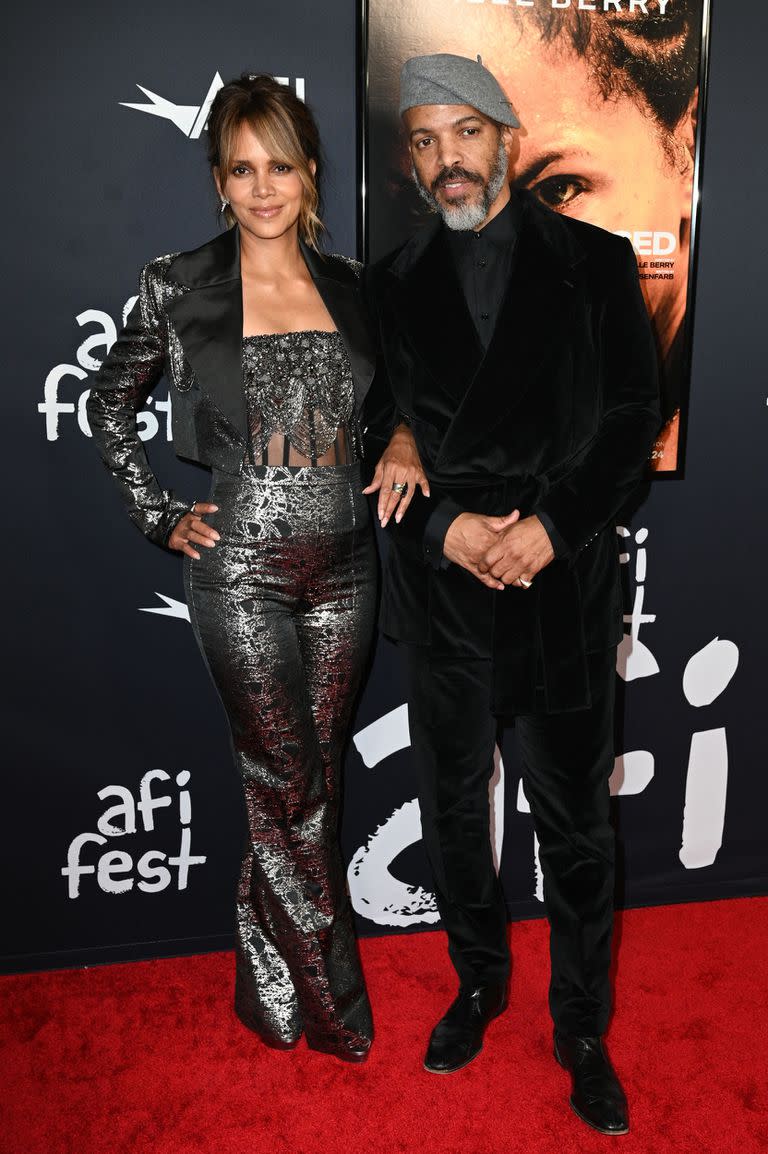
{"points": [[447, 79]]}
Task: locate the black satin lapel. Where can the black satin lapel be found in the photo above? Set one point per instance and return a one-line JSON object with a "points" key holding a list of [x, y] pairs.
{"points": [[209, 323], [215, 261], [345, 304], [433, 313], [339, 286], [536, 309]]}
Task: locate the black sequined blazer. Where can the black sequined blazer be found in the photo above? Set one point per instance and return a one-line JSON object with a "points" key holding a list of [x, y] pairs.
{"points": [[187, 324]]}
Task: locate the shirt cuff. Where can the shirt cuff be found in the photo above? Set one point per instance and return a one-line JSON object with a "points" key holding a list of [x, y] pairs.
{"points": [[557, 542], [435, 530]]}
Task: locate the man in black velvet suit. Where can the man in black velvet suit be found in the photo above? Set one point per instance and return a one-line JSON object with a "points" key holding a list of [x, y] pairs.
{"points": [[517, 354]]}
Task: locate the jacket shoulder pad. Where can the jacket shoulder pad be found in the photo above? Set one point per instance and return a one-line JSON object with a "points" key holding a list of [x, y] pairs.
{"points": [[155, 269]]}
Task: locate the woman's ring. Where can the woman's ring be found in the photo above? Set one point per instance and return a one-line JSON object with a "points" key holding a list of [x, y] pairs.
{"points": [[192, 508], [400, 487], [525, 584]]}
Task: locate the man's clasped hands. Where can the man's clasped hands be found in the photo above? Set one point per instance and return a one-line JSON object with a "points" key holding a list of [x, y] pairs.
{"points": [[498, 551]]}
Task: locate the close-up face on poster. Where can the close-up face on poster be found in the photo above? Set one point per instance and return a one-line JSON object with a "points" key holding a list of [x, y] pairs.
{"points": [[609, 95]]}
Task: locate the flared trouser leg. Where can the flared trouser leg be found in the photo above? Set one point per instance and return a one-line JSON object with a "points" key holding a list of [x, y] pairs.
{"points": [[284, 616]]}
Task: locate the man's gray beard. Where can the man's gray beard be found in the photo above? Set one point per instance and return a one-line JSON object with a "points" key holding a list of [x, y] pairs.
{"points": [[470, 215]]}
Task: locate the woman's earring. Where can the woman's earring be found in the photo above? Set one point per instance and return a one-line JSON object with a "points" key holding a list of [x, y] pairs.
{"points": [[224, 205]]}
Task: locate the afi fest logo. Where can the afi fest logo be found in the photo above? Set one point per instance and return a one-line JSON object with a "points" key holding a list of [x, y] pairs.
{"points": [[191, 119], [115, 870], [52, 408]]}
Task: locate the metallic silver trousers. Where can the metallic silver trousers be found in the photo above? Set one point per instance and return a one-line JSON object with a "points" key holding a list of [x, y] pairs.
{"points": [[283, 609]]}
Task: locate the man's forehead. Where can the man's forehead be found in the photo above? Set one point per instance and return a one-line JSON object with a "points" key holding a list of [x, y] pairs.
{"points": [[427, 117]]}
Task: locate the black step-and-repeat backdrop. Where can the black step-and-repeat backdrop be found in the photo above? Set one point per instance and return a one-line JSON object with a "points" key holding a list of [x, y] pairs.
{"points": [[121, 817]]}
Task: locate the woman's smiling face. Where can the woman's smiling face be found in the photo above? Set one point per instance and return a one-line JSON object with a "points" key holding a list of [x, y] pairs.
{"points": [[264, 191]]}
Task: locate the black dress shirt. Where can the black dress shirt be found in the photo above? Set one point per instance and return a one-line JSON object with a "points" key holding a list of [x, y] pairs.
{"points": [[483, 261]]}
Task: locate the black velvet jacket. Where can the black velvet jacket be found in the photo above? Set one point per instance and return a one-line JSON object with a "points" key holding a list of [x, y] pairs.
{"points": [[188, 324], [556, 417]]}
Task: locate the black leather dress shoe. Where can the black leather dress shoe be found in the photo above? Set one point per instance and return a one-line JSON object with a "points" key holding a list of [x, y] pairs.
{"points": [[458, 1036], [596, 1093], [354, 1049]]}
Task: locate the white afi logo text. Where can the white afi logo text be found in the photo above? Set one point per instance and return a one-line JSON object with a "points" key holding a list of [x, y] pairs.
{"points": [[191, 119], [115, 869], [103, 338]]}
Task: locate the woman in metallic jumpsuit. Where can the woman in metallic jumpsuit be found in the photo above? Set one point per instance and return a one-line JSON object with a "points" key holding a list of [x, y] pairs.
{"points": [[267, 348]]}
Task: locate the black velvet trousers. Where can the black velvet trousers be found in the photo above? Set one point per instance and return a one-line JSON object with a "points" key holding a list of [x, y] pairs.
{"points": [[567, 759]]}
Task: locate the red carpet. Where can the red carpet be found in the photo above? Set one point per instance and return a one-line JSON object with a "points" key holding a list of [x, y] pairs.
{"points": [[147, 1058]]}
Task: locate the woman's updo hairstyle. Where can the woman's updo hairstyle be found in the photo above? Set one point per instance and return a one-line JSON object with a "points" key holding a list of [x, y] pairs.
{"points": [[286, 129]]}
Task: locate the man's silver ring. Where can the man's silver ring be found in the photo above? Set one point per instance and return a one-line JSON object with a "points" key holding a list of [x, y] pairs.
{"points": [[400, 487], [192, 508], [525, 584]]}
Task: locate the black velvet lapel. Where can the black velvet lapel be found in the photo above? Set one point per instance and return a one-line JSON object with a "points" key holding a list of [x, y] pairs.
{"points": [[433, 313], [339, 287], [208, 320], [536, 309]]}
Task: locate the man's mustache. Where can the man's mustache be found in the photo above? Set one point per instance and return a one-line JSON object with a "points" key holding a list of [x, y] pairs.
{"points": [[455, 173]]}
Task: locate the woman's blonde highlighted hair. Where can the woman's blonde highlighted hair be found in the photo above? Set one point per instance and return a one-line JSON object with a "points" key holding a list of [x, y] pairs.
{"points": [[286, 129]]}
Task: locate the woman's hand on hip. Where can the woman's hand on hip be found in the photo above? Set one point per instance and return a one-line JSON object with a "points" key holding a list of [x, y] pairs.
{"points": [[397, 474], [192, 530]]}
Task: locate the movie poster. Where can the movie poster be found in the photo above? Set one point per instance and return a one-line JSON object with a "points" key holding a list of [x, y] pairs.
{"points": [[609, 95]]}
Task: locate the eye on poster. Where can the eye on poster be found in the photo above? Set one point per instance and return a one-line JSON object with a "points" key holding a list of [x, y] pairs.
{"points": [[609, 95]]}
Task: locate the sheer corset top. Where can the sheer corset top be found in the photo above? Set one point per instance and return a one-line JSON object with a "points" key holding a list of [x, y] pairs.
{"points": [[300, 399]]}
